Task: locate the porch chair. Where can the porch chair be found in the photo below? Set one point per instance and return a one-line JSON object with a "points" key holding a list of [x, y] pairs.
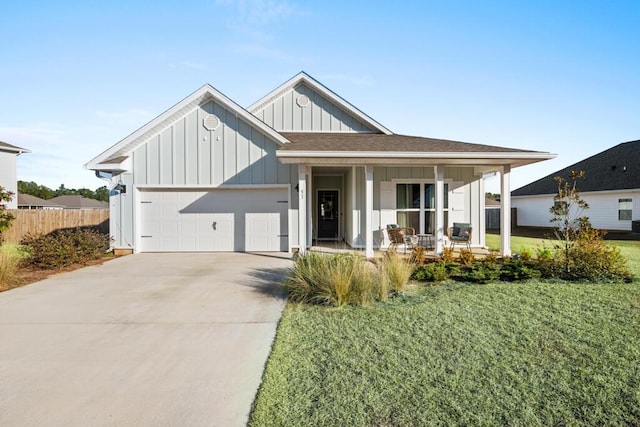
{"points": [[401, 236], [460, 233]]}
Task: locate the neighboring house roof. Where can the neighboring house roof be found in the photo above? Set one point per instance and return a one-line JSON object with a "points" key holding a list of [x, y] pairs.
{"points": [[12, 148], [303, 77], [491, 203], [355, 145], [112, 157], [79, 202], [617, 168], [29, 200]]}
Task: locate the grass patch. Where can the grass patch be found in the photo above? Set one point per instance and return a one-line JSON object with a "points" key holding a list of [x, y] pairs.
{"points": [[516, 354], [533, 353], [10, 257]]}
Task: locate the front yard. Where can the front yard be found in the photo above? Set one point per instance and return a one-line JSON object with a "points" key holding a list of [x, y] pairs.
{"points": [[530, 353]]}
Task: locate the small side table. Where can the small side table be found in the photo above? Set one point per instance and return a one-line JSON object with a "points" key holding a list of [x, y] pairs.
{"points": [[425, 241]]}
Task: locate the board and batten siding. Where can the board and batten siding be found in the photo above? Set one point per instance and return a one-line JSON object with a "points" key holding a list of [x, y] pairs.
{"points": [[533, 211], [321, 115], [186, 154]]}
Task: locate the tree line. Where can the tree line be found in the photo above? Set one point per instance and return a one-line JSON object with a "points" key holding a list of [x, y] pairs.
{"points": [[46, 193]]}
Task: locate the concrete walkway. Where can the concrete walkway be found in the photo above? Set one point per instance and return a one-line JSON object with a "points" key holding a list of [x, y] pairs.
{"points": [[143, 340]]}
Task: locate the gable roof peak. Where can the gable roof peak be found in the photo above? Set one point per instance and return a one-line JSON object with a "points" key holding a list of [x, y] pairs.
{"points": [[304, 77], [165, 119]]}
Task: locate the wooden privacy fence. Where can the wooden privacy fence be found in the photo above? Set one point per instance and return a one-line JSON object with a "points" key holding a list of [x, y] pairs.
{"points": [[43, 221]]}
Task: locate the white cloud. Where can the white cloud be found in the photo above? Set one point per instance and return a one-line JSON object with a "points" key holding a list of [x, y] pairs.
{"points": [[260, 12], [253, 22]]}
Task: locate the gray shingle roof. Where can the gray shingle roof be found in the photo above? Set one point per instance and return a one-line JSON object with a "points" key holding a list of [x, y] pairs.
{"points": [[311, 141], [29, 200], [79, 202], [617, 168]]}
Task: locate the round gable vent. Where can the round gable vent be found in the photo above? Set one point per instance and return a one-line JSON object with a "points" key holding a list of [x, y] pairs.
{"points": [[302, 100], [211, 122]]}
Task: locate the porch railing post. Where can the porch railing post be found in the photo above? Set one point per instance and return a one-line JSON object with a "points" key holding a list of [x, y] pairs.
{"points": [[369, 211], [505, 211]]}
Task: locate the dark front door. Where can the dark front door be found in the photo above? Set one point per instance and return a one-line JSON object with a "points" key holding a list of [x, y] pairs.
{"points": [[328, 214]]}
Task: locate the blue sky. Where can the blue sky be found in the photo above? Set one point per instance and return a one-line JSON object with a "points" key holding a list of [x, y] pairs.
{"points": [[557, 76]]}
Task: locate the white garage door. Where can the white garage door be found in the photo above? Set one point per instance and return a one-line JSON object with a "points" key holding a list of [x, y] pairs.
{"points": [[210, 221]]}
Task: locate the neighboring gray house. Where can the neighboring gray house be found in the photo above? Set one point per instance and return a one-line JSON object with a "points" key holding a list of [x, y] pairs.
{"points": [[27, 201], [8, 170], [611, 187], [299, 165], [75, 201]]}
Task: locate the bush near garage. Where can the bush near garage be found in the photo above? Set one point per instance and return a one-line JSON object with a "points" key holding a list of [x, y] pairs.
{"points": [[66, 247]]}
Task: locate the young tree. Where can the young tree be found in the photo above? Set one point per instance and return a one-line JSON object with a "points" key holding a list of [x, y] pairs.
{"points": [[5, 217], [567, 210]]}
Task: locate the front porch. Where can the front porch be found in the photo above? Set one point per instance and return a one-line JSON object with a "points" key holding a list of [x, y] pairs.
{"points": [[336, 246], [348, 207]]}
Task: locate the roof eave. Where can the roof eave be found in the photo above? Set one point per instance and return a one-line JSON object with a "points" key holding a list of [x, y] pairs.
{"points": [[381, 157], [14, 149]]}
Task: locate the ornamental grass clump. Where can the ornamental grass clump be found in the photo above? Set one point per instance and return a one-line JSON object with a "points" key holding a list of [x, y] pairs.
{"points": [[10, 257], [335, 280], [397, 271]]}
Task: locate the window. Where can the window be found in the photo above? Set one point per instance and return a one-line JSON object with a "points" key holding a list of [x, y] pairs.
{"points": [[624, 209], [416, 206]]}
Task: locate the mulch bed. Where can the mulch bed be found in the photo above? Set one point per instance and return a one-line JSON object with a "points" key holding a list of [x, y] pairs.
{"points": [[27, 274]]}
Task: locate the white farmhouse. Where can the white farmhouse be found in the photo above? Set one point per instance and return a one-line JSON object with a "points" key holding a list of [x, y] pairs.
{"points": [[611, 187]]}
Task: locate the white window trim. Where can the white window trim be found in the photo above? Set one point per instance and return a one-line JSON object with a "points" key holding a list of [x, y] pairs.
{"points": [[422, 210], [628, 200]]}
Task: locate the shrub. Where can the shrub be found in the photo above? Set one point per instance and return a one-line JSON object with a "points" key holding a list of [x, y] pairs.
{"points": [[526, 254], [66, 247], [478, 273], [418, 254], [335, 279], [466, 257], [491, 258], [5, 217], [433, 272], [10, 256], [397, 271], [447, 255], [513, 270], [589, 258]]}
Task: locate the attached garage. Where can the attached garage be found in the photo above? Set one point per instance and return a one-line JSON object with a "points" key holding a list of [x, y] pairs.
{"points": [[213, 220]]}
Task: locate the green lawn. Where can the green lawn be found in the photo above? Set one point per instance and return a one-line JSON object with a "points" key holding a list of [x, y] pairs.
{"points": [[510, 354]]}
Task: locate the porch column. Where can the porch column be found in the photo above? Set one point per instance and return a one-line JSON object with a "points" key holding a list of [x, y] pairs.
{"points": [[438, 172], [505, 211], [368, 221], [302, 208], [310, 196]]}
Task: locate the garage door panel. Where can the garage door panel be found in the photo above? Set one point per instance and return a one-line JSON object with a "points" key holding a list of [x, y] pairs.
{"points": [[217, 220]]}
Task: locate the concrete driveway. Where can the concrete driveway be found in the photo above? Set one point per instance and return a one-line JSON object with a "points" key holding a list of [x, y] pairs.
{"points": [[143, 340]]}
